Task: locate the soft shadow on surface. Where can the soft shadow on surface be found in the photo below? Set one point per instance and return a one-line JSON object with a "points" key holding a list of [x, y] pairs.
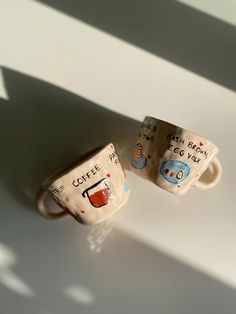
{"points": [[126, 277], [44, 128], [183, 35]]}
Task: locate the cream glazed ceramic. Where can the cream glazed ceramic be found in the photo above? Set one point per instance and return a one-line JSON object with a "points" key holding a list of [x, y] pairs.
{"points": [[90, 191], [173, 158]]}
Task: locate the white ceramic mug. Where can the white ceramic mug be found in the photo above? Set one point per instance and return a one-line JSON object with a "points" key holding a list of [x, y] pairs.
{"points": [[174, 158], [90, 191]]}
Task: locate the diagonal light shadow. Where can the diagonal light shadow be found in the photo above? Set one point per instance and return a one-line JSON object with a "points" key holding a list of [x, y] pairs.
{"points": [[190, 38], [45, 128], [42, 128], [127, 277]]}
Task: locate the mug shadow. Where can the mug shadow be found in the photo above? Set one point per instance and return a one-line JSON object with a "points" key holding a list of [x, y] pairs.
{"points": [[44, 128]]}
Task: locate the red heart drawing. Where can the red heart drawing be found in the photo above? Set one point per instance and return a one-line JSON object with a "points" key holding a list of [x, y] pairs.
{"points": [[108, 175], [201, 144]]}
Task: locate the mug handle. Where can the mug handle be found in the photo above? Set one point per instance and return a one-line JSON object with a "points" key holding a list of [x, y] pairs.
{"points": [[210, 176], [42, 194]]}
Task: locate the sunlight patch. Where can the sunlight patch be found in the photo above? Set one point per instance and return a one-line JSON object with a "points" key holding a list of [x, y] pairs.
{"points": [[3, 90], [80, 294], [7, 277]]}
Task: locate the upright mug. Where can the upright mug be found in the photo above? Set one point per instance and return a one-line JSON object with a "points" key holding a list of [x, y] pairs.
{"points": [[174, 158]]}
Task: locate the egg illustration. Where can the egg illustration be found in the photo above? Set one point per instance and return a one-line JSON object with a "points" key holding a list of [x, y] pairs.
{"points": [[174, 171]]}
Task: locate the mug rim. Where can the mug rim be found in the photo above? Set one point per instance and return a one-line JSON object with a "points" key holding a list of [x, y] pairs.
{"points": [[190, 132], [74, 165]]}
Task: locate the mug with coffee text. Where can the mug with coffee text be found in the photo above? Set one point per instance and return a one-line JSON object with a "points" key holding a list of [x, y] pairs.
{"points": [[173, 158], [90, 191]]}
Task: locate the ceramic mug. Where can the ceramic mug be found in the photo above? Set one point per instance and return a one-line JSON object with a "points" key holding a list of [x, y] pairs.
{"points": [[174, 158], [90, 191]]}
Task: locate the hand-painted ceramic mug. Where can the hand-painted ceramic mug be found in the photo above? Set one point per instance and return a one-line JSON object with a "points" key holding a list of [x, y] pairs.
{"points": [[90, 191], [173, 158]]}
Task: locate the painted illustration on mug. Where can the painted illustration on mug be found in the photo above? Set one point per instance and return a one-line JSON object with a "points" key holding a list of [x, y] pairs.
{"points": [[139, 161], [174, 171], [98, 194], [126, 186]]}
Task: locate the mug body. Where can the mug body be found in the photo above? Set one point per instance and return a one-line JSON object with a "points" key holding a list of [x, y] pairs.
{"points": [[94, 189], [169, 156]]}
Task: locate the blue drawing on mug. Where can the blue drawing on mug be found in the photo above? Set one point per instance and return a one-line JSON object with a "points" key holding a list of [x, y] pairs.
{"points": [[139, 161], [126, 186], [175, 171]]}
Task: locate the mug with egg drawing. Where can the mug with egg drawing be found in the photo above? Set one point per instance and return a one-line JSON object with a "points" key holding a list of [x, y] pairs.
{"points": [[174, 158]]}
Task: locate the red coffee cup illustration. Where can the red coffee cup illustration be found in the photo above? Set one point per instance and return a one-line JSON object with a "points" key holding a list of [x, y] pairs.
{"points": [[98, 193]]}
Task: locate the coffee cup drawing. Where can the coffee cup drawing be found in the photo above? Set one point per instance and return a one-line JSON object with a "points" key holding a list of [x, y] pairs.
{"points": [[98, 194]]}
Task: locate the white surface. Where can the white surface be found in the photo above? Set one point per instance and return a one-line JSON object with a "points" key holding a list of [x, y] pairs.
{"points": [[199, 228], [224, 10]]}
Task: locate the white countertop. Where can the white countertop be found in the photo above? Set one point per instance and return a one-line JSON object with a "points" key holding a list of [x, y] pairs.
{"points": [[50, 62]]}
